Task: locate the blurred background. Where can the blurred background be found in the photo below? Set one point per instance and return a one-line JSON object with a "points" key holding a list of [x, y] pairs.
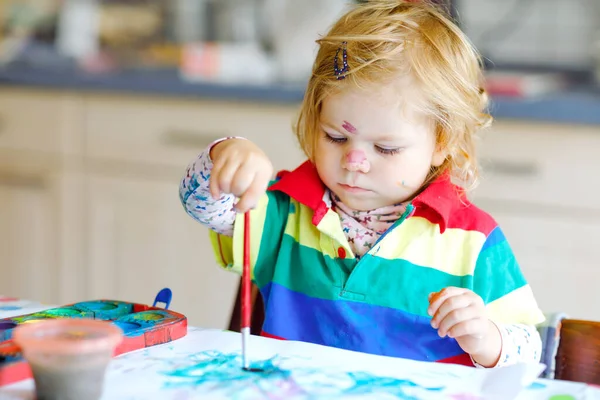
{"points": [[104, 102]]}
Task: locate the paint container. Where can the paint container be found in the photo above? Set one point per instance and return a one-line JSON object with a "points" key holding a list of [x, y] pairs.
{"points": [[68, 357]]}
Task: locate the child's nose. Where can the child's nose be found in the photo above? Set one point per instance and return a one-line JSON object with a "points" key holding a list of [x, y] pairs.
{"points": [[356, 160]]}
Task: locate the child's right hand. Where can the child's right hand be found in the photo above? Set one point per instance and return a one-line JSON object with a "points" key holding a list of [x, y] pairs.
{"points": [[240, 168]]}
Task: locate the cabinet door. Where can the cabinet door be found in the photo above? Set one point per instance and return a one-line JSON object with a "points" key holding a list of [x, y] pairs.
{"points": [[28, 241], [551, 165], [46, 122], [41, 232], [169, 132], [41, 208], [141, 240]]}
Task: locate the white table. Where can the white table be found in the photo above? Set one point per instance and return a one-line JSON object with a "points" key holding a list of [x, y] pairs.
{"points": [[205, 364]]}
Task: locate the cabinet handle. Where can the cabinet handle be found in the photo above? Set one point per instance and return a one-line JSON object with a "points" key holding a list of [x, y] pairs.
{"points": [[520, 169], [191, 139], [22, 181]]}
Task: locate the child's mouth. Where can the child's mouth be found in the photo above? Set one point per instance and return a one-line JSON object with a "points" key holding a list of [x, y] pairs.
{"points": [[353, 189]]}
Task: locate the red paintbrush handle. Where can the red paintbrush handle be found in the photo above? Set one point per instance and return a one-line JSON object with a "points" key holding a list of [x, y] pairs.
{"points": [[246, 279]]}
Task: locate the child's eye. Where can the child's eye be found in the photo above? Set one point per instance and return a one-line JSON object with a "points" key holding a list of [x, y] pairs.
{"points": [[388, 151], [334, 139]]}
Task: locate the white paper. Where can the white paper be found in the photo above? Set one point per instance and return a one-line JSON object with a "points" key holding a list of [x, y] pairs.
{"points": [[13, 308], [206, 365]]}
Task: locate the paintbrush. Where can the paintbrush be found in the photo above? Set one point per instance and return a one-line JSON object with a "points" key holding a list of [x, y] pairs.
{"points": [[246, 298]]}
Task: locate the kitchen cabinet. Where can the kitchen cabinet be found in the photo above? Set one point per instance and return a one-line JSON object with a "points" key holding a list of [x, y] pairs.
{"points": [[89, 203], [40, 255]]}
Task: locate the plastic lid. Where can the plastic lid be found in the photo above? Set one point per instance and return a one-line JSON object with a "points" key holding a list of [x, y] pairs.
{"points": [[68, 336]]}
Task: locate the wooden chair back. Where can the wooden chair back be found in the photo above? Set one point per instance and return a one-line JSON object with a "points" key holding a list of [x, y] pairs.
{"points": [[578, 354]]}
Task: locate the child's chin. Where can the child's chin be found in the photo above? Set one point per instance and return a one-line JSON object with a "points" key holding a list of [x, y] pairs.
{"points": [[360, 204]]}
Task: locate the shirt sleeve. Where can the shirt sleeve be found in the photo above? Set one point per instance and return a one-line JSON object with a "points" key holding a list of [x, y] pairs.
{"points": [[498, 279], [267, 220], [520, 344], [216, 214]]}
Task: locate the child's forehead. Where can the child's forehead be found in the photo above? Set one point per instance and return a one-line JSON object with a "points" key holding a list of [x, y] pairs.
{"points": [[385, 106], [393, 93]]}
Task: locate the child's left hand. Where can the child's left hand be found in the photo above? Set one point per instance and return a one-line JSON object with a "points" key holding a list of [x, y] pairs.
{"points": [[460, 313]]}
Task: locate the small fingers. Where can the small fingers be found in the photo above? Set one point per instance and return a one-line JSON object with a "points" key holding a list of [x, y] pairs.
{"points": [[242, 180], [242, 171], [455, 317], [473, 327], [450, 304], [248, 200], [438, 298], [255, 190], [224, 175], [213, 183]]}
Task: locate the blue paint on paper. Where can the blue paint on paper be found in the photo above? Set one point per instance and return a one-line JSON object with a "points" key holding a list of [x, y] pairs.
{"points": [[537, 385], [219, 372]]}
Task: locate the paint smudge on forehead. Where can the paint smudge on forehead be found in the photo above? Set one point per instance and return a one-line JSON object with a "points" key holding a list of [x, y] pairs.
{"points": [[349, 127]]}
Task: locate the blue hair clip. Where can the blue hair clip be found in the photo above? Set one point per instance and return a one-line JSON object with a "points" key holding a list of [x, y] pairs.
{"points": [[340, 73]]}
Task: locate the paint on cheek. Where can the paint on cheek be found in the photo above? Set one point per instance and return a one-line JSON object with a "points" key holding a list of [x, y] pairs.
{"points": [[356, 156], [349, 127], [401, 183]]}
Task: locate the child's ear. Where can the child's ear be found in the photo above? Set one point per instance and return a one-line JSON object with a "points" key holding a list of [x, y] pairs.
{"points": [[439, 156], [440, 152]]}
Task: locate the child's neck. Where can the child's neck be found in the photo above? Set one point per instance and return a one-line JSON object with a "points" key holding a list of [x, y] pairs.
{"points": [[372, 219], [363, 228]]}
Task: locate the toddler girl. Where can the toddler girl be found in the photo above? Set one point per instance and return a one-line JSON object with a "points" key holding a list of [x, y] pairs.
{"points": [[371, 244]]}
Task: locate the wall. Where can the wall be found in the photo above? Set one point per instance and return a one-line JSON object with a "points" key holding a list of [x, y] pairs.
{"points": [[555, 32]]}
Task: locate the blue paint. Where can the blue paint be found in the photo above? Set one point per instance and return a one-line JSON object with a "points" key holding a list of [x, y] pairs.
{"points": [[7, 358], [218, 372], [364, 383], [213, 367], [126, 327], [9, 308], [6, 329], [97, 305], [105, 310], [537, 385]]}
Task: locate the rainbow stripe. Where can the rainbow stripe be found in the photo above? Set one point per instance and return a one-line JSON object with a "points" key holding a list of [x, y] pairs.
{"points": [[376, 304]]}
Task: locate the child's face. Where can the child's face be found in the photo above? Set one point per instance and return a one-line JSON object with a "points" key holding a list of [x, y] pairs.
{"points": [[374, 150]]}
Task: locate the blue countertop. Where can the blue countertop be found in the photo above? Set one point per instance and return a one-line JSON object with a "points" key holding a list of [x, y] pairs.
{"points": [[581, 106]]}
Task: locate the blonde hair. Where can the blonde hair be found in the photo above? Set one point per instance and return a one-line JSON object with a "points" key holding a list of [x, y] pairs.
{"points": [[386, 39]]}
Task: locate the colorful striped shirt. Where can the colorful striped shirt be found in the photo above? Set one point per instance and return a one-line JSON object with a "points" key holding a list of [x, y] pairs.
{"points": [[315, 290]]}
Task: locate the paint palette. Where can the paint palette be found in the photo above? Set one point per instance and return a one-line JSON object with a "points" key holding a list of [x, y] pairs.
{"points": [[143, 326]]}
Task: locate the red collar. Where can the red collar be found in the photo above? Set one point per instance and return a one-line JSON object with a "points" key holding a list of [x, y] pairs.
{"points": [[303, 184]]}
